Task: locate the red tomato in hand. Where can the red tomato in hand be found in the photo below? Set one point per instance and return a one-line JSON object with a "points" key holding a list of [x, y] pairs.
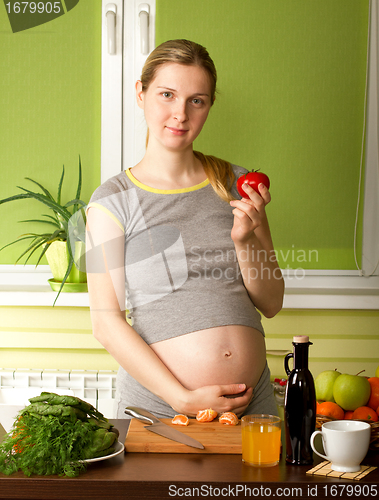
{"points": [[253, 179]]}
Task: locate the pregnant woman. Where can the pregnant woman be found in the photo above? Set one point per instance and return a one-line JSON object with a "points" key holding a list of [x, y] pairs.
{"points": [[178, 263]]}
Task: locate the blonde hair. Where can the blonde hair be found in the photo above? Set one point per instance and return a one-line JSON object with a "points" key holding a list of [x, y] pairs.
{"points": [[219, 172]]}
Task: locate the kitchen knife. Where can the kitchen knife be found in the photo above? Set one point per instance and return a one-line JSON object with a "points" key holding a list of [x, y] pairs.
{"points": [[155, 425]]}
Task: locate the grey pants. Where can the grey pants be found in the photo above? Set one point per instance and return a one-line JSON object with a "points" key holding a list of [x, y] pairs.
{"points": [[130, 393]]}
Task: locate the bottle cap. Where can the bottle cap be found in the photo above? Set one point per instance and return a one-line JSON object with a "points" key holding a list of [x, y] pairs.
{"points": [[301, 339]]}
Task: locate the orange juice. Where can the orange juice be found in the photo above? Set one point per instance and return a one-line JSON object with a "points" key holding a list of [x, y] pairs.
{"points": [[260, 443]]}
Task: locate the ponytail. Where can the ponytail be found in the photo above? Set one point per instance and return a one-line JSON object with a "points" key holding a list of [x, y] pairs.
{"points": [[219, 173]]}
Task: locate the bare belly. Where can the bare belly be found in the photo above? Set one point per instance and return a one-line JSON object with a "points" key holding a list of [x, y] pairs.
{"points": [[230, 354]]}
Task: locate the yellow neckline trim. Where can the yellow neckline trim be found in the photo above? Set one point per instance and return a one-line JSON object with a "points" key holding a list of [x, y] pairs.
{"points": [[164, 191]]}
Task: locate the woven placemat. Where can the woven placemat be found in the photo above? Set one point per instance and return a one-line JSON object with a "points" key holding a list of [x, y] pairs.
{"points": [[324, 469]]}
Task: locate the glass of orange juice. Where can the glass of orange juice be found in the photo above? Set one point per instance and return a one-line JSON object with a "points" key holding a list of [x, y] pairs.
{"points": [[261, 440]]}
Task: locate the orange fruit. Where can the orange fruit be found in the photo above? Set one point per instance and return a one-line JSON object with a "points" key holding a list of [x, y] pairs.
{"points": [[365, 413], [373, 402], [330, 409], [228, 418], [348, 414], [206, 415], [180, 420]]}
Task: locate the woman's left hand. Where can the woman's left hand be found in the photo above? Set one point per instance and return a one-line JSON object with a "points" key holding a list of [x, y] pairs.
{"points": [[249, 213]]}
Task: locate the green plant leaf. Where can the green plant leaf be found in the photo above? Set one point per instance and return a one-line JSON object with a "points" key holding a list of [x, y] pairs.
{"points": [[51, 217], [54, 237], [54, 219], [84, 216], [40, 185], [15, 197], [44, 249], [31, 253], [38, 197], [32, 248], [79, 189], [50, 203], [44, 239], [60, 186], [71, 257], [52, 222], [57, 235], [20, 238], [63, 224], [70, 264], [38, 240], [75, 202]]}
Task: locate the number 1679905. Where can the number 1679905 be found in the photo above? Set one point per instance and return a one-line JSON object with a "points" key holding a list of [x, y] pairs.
{"points": [[33, 7], [351, 490]]}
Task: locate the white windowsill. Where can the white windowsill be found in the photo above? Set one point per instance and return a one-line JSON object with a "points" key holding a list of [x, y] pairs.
{"points": [[329, 290], [27, 286]]}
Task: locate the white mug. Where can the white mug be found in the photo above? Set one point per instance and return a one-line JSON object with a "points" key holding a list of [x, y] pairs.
{"points": [[345, 442]]}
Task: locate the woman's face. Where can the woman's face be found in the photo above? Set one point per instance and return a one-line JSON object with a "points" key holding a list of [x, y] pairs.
{"points": [[176, 105]]}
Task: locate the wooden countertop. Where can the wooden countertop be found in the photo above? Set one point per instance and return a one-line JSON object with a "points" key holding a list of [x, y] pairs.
{"points": [[166, 476]]}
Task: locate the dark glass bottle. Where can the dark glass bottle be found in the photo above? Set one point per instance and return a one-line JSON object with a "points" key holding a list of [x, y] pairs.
{"points": [[299, 404]]}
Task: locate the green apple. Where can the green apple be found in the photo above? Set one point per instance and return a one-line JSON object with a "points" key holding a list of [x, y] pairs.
{"points": [[351, 391], [377, 372], [324, 383]]}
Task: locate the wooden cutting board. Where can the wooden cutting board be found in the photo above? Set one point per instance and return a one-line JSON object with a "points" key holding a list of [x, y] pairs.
{"points": [[215, 437]]}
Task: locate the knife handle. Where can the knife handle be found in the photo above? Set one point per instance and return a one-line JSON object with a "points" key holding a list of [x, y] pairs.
{"points": [[142, 415]]}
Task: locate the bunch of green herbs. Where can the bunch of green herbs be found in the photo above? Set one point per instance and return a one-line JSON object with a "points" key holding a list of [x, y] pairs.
{"points": [[55, 437]]}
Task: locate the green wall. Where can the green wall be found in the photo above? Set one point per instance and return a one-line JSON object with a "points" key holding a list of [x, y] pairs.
{"points": [[290, 102], [50, 111]]}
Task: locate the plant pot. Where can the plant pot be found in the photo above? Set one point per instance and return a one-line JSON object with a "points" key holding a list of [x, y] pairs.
{"points": [[67, 287], [58, 259]]}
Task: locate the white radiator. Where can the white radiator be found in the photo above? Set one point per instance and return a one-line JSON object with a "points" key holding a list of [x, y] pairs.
{"points": [[96, 387]]}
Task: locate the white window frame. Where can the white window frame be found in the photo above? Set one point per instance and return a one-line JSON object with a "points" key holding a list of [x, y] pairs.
{"points": [[123, 141], [122, 145]]}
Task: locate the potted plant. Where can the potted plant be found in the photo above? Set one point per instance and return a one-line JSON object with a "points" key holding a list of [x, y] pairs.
{"points": [[64, 243]]}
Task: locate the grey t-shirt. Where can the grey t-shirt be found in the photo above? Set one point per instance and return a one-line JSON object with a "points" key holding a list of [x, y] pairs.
{"points": [[181, 269]]}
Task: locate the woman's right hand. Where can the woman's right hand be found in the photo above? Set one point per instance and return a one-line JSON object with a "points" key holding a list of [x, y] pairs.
{"points": [[221, 398]]}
